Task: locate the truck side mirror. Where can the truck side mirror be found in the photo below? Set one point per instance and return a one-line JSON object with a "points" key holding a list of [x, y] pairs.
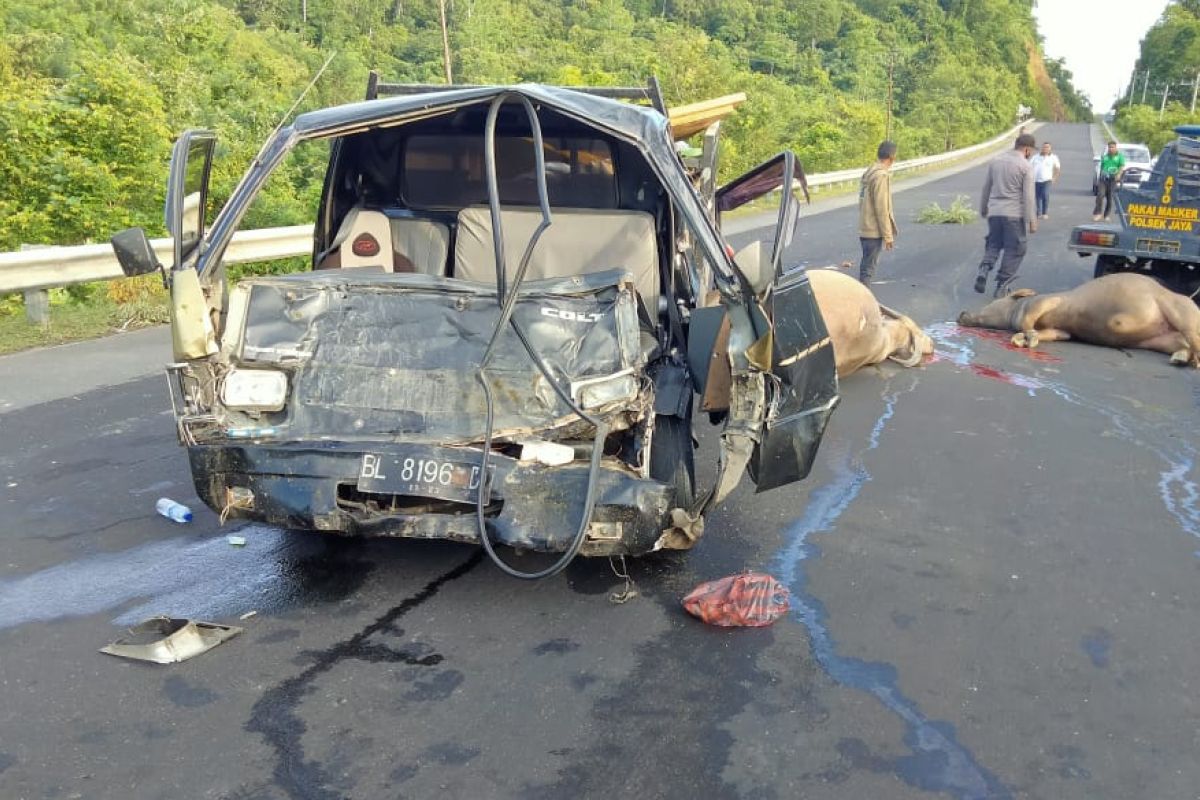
{"points": [[134, 252]]}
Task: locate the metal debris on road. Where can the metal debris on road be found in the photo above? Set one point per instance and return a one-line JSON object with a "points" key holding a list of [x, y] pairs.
{"points": [[236, 541], [248, 615], [752, 599], [166, 640]]}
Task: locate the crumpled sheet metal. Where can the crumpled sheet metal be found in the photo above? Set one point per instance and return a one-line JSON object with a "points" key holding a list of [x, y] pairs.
{"points": [[396, 356], [165, 640], [686, 529]]}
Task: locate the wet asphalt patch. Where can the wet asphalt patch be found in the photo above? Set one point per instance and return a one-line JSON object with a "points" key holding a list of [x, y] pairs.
{"points": [[275, 716]]}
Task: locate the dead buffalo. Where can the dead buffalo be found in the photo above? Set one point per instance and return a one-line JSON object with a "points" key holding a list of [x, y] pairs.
{"points": [[864, 332], [1123, 310]]}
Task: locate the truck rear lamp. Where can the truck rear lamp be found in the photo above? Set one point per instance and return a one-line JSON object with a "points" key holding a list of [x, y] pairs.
{"points": [[365, 246], [254, 390], [1098, 239]]}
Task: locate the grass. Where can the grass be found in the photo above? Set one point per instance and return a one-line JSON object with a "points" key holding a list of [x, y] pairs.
{"points": [[960, 212], [71, 323]]}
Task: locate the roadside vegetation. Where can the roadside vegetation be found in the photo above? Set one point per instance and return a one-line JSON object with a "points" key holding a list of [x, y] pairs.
{"points": [[92, 92], [1170, 53], [959, 212]]}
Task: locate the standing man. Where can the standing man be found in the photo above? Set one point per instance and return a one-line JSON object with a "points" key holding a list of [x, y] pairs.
{"points": [[1046, 167], [1112, 167], [1008, 206], [876, 223]]}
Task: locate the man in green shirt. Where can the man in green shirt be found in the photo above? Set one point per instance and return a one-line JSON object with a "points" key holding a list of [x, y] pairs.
{"points": [[1112, 165]]}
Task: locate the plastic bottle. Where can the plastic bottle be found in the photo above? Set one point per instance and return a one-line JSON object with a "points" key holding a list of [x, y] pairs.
{"points": [[172, 510]]}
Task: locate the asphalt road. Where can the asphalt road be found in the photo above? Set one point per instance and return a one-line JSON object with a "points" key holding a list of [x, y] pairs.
{"points": [[994, 572]]}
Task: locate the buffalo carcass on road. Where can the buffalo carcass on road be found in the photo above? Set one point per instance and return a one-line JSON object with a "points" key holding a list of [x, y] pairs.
{"points": [[864, 332], [1123, 310]]}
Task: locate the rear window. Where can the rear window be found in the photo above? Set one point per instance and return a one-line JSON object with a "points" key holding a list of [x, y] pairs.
{"points": [[1138, 154], [441, 172]]}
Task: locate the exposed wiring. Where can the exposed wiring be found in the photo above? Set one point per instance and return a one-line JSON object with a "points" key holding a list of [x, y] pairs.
{"points": [[507, 298]]}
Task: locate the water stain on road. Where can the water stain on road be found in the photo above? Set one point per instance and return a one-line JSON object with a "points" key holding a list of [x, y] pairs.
{"points": [[187, 695], [938, 761], [189, 577], [991, 373], [1177, 490], [1097, 645], [1004, 340], [276, 714]]}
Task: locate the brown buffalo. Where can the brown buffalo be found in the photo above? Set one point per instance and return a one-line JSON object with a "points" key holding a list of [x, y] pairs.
{"points": [[1123, 310], [864, 332]]}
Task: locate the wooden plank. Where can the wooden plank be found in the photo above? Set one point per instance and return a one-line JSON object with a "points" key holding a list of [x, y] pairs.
{"points": [[690, 119]]}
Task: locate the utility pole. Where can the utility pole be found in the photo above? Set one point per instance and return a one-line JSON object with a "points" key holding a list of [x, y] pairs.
{"points": [[1163, 107], [1195, 90], [891, 75], [445, 42], [1144, 85]]}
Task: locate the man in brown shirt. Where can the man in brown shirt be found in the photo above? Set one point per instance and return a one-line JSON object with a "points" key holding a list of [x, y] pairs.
{"points": [[876, 223]]}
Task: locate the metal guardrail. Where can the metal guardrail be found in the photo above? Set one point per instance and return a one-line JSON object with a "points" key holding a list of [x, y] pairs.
{"points": [[852, 175], [47, 267], [33, 271]]}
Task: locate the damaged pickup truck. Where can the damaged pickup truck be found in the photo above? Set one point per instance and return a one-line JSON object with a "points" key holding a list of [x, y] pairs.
{"points": [[517, 301]]}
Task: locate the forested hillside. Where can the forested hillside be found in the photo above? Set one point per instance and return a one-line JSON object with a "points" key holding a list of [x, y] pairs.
{"points": [[92, 91], [1170, 57]]}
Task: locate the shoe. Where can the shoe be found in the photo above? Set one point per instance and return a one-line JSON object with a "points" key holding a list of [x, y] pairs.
{"points": [[981, 284], [1106, 219], [1045, 216], [1095, 217], [1002, 289]]}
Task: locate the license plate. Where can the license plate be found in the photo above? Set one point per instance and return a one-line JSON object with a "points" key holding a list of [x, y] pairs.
{"points": [[420, 476], [1157, 246]]}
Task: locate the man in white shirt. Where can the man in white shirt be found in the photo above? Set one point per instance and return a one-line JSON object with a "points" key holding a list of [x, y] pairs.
{"points": [[1045, 172]]}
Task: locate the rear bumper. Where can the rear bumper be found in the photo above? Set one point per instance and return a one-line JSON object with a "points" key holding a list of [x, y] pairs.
{"points": [[533, 506]]}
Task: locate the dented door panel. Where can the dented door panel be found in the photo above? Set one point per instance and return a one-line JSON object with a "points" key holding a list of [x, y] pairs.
{"points": [[803, 388]]}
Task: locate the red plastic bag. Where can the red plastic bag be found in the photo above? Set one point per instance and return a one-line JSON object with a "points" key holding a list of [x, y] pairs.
{"points": [[752, 599]]}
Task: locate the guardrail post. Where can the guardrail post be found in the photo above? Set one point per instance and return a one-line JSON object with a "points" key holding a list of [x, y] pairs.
{"points": [[37, 306], [37, 301]]}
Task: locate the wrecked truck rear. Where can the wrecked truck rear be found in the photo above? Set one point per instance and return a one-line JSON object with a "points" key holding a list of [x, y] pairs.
{"points": [[517, 301], [375, 419]]}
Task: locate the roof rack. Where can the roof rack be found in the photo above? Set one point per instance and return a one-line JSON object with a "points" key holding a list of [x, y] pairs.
{"points": [[650, 93]]}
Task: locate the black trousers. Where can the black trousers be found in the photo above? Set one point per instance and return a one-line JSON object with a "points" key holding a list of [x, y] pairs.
{"points": [[1104, 194], [1005, 234]]}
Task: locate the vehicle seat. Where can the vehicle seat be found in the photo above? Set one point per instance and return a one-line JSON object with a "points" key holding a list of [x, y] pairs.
{"points": [[415, 245], [578, 242]]}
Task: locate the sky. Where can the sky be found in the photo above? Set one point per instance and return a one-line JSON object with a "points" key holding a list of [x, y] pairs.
{"points": [[1098, 40]]}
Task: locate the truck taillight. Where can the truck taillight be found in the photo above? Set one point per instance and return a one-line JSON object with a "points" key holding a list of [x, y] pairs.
{"points": [[1097, 239]]}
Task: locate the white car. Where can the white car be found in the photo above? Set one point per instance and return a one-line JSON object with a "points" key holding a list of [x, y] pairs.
{"points": [[1138, 166]]}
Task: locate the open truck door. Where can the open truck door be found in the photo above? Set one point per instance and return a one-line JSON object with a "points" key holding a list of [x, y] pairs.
{"points": [[187, 200], [796, 352], [187, 192]]}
